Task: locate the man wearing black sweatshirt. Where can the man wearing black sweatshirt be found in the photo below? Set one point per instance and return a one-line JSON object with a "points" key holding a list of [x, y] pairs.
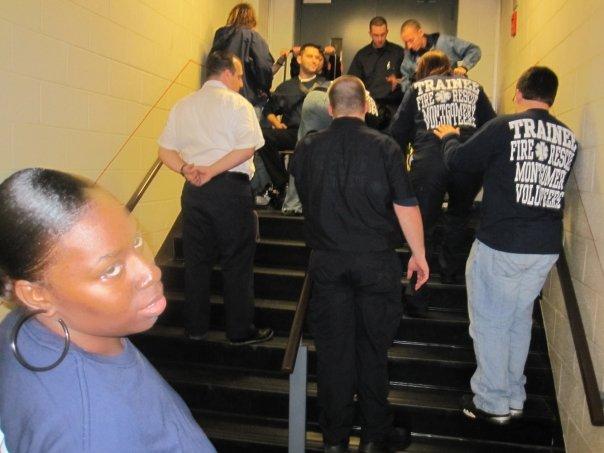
{"points": [[526, 159]]}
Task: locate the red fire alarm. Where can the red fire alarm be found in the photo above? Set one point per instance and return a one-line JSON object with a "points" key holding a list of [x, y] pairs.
{"points": [[514, 23]]}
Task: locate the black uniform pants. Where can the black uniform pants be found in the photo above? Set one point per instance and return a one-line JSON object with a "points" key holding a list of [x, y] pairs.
{"points": [[354, 312], [277, 140], [218, 224], [431, 180]]}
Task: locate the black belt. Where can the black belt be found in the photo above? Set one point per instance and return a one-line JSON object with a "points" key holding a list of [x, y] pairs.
{"points": [[233, 175]]}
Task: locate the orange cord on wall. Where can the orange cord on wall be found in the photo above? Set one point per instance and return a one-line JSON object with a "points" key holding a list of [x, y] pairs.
{"points": [[145, 117]]}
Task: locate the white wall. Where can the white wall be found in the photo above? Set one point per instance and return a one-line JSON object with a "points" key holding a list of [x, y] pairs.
{"points": [[478, 22]]}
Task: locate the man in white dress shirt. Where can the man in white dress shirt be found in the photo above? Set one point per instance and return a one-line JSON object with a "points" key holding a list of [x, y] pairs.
{"points": [[210, 139]]}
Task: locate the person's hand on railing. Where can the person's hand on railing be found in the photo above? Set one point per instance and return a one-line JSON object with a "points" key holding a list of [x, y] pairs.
{"points": [[419, 265]]}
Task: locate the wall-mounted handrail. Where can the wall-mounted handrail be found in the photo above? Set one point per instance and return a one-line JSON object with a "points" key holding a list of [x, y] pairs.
{"points": [[144, 185], [586, 367], [295, 332], [152, 172]]}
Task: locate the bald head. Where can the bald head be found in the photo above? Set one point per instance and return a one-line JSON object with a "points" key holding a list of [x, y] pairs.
{"points": [[347, 97]]}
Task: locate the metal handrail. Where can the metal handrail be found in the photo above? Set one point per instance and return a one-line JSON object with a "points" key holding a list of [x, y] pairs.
{"points": [[144, 185], [295, 332], [586, 367]]}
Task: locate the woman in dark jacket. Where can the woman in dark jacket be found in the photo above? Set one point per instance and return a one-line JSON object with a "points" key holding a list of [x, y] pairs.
{"points": [[439, 97], [239, 37]]}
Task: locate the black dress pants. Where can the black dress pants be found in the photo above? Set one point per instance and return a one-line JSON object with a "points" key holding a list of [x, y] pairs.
{"points": [[354, 313], [277, 140], [218, 224]]}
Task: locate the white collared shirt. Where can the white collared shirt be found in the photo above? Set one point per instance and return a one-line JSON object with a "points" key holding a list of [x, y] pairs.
{"points": [[210, 123]]}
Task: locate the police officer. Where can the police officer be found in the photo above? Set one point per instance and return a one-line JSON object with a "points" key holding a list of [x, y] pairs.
{"points": [[440, 97], [356, 198]]}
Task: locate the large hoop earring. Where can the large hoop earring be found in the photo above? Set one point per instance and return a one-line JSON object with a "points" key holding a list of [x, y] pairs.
{"points": [[15, 347]]}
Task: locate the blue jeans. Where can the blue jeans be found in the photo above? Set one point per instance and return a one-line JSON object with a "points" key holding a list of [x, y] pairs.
{"points": [[502, 288]]}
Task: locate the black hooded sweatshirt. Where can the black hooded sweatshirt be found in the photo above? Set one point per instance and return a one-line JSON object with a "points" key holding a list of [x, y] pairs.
{"points": [[252, 50]]}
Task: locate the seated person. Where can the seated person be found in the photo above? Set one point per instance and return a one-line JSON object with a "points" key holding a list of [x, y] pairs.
{"points": [[72, 260], [332, 65], [463, 55], [287, 101]]}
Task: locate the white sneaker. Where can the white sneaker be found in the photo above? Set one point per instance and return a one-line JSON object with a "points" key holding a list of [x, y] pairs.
{"points": [[262, 200]]}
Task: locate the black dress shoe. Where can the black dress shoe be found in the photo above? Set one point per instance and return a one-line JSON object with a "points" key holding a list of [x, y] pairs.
{"points": [[398, 440], [260, 336], [340, 448]]}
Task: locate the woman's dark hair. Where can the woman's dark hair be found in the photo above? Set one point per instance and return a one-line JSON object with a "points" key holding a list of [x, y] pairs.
{"points": [[538, 83], [37, 206], [433, 62], [242, 15]]}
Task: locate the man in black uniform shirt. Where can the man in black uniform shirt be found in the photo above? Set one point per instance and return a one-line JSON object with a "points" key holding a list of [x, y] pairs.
{"points": [[378, 66], [287, 101], [356, 198], [526, 159]]}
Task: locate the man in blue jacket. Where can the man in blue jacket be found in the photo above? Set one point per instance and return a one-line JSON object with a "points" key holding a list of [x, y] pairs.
{"points": [[463, 55]]}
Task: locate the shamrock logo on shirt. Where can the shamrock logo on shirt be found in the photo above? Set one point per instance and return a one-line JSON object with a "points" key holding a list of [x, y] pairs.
{"points": [[442, 96], [541, 151]]}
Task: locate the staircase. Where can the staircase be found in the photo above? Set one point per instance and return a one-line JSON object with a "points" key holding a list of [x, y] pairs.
{"points": [[240, 397]]}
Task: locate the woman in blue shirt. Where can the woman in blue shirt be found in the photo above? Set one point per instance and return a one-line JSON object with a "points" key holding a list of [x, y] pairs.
{"points": [[72, 260]]}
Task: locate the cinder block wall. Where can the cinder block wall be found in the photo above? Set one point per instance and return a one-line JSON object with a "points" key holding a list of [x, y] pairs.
{"points": [[563, 35]]}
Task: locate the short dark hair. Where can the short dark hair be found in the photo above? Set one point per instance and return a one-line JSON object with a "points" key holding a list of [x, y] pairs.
{"points": [[310, 44], [538, 83], [434, 62], [377, 21], [411, 23], [37, 206], [218, 61], [347, 95]]}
